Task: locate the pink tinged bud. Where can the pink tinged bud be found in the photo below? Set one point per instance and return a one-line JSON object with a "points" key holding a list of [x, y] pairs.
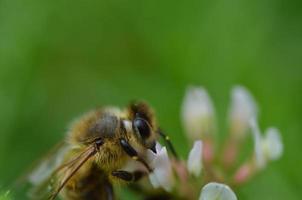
{"points": [[242, 109], [208, 151], [197, 113], [217, 191], [243, 173], [162, 176], [181, 170], [230, 153], [194, 163]]}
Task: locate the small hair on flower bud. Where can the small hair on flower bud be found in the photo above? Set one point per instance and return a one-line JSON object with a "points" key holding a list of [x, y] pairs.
{"points": [[197, 113], [242, 109], [217, 191], [194, 163]]}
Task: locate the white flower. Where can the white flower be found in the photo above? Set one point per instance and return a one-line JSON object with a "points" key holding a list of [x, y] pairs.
{"points": [[162, 176], [272, 144], [195, 159], [242, 109], [217, 191], [267, 147], [197, 113]]}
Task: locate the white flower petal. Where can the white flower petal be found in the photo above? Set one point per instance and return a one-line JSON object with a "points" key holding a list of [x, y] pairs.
{"points": [[242, 109], [195, 159], [274, 145], [154, 181], [258, 144], [197, 113], [151, 155], [217, 191], [158, 147], [162, 175]]}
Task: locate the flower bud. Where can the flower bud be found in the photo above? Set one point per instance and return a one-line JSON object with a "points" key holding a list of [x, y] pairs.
{"points": [[242, 109], [267, 147], [272, 144], [197, 113], [195, 159]]}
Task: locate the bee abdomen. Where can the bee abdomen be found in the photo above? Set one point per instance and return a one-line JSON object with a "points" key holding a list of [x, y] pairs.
{"points": [[93, 186]]}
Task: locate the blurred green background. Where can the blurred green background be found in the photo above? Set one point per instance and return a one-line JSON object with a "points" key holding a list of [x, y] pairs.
{"points": [[59, 59]]}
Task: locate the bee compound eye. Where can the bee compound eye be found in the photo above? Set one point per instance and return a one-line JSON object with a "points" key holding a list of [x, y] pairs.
{"points": [[142, 127]]}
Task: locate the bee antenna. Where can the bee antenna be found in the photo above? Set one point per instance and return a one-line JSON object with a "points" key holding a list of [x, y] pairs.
{"points": [[168, 143]]}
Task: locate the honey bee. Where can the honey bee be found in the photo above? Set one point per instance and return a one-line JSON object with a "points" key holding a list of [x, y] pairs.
{"points": [[97, 147]]}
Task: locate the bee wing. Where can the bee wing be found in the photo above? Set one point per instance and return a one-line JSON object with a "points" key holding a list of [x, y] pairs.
{"points": [[40, 175], [44, 167], [66, 171], [49, 185]]}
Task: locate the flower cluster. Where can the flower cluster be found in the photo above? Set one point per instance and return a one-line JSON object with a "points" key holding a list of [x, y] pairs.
{"points": [[205, 166]]}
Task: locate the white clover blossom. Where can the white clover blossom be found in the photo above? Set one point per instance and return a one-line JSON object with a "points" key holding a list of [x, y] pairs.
{"points": [[267, 147], [242, 109], [217, 191], [197, 113], [198, 120], [194, 162], [273, 146], [162, 176]]}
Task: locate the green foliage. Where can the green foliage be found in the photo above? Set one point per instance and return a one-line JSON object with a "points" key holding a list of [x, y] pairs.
{"points": [[5, 195]]}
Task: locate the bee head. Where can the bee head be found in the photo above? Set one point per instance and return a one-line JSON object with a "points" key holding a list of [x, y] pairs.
{"points": [[143, 124]]}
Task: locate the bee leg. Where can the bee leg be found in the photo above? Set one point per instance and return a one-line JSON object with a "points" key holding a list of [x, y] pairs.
{"points": [[133, 153], [168, 143], [128, 176]]}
